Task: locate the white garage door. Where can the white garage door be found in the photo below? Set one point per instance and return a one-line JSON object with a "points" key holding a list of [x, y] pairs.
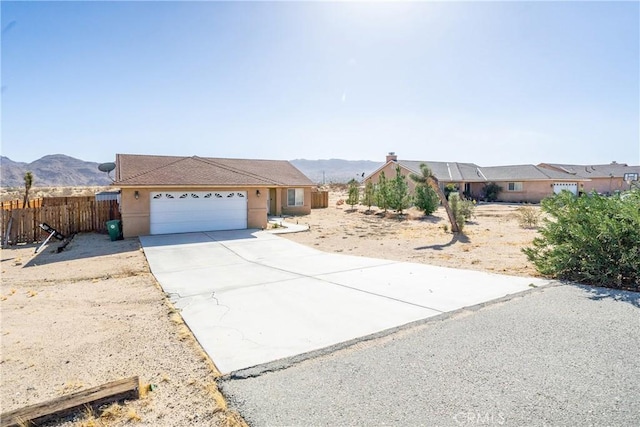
{"points": [[569, 186], [184, 212]]}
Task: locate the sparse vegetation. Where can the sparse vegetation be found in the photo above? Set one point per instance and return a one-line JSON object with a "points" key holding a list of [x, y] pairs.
{"points": [[450, 188], [132, 415], [399, 199], [456, 208], [593, 240], [354, 193], [382, 193], [368, 196], [491, 191], [528, 217], [468, 209], [426, 199], [463, 210], [428, 178]]}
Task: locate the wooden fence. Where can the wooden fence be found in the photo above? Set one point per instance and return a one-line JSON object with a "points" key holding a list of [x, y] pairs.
{"points": [[57, 201], [320, 199], [18, 204], [23, 225]]}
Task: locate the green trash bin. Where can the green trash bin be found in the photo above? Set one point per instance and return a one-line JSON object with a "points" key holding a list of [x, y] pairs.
{"points": [[114, 229]]}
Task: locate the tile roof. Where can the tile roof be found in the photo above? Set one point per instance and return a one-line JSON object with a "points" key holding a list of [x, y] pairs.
{"points": [[523, 173], [470, 172], [593, 171], [135, 170], [446, 171]]}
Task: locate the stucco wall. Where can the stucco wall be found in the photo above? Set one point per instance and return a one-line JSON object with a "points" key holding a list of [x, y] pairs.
{"points": [[257, 208], [136, 212], [390, 173], [605, 185], [532, 191], [305, 209]]}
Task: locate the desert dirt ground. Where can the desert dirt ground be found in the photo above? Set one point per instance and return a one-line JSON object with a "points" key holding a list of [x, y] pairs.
{"points": [[94, 313], [491, 241]]}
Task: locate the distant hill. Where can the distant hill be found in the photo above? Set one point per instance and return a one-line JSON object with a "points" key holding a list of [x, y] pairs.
{"points": [[335, 170], [59, 170], [56, 170]]}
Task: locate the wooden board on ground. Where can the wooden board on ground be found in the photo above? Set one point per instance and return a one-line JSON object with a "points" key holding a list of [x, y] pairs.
{"points": [[128, 388]]}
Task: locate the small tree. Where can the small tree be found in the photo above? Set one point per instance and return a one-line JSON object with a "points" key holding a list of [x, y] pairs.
{"points": [[426, 199], [382, 192], [354, 193], [399, 191], [28, 183], [427, 177], [368, 197], [491, 191]]}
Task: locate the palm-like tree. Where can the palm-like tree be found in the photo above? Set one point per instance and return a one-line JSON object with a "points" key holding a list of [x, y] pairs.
{"points": [[28, 182], [428, 178]]}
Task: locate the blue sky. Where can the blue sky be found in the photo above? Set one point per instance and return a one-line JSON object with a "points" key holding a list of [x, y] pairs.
{"points": [[490, 83]]}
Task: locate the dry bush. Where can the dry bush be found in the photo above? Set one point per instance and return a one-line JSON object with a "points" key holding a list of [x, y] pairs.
{"points": [[528, 217]]}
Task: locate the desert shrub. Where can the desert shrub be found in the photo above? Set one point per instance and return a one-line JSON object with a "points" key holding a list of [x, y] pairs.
{"points": [[593, 240], [528, 217], [468, 209], [426, 199], [491, 191], [463, 210], [354, 193], [450, 188], [456, 208]]}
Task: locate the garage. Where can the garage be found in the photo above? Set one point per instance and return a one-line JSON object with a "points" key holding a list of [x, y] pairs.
{"points": [[569, 186], [193, 211]]}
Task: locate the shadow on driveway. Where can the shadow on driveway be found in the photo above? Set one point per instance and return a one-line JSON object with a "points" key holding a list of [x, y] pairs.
{"points": [[597, 294]]}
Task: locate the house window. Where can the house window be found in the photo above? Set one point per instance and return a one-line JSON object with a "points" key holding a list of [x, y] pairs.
{"points": [[295, 197], [630, 177], [514, 186]]}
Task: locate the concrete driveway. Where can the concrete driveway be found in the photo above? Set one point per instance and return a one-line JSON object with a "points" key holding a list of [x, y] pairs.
{"points": [[252, 298]]}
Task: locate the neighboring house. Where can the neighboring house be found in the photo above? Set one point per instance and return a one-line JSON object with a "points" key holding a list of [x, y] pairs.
{"points": [[446, 172], [520, 183], [526, 183], [169, 194], [604, 179]]}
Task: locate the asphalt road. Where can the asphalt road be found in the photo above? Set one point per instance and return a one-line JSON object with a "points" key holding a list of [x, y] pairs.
{"points": [[557, 356]]}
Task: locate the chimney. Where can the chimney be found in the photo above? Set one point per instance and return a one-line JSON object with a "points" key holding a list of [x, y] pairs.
{"points": [[392, 157]]}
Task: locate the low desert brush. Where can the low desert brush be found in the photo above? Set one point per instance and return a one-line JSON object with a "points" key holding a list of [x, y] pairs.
{"points": [[132, 415], [112, 412], [528, 217]]}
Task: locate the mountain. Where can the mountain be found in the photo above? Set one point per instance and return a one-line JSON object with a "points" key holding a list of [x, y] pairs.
{"points": [[56, 170], [59, 170], [335, 170]]}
